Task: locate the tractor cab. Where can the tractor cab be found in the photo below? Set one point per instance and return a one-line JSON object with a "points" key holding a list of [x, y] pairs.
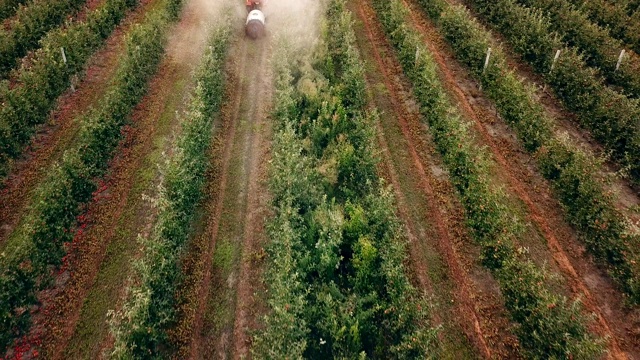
{"points": [[254, 5]]}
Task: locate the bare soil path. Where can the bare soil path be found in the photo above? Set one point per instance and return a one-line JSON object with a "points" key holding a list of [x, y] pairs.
{"points": [[228, 304], [421, 185], [257, 145]]}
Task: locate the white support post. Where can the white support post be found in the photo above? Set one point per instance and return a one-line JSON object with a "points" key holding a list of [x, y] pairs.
{"points": [[486, 60], [620, 59], [64, 59], [417, 55], [555, 58], [553, 64]]}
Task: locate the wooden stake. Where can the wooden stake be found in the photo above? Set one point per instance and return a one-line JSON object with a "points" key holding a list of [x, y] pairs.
{"points": [[64, 56], [417, 55]]}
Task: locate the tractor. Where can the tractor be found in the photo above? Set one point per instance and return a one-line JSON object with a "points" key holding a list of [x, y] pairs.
{"points": [[254, 27]]}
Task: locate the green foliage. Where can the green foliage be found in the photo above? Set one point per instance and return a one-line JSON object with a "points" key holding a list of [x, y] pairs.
{"points": [[29, 25], [610, 116], [595, 43], [67, 187], [17, 288], [568, 168], [561, 333], [590, 209], [544, 316], [614, 17], [347, 74], [337, 287], [29, 102], [286, 333], [141, 332], [8, 8], [294, 186], [71, 183]]}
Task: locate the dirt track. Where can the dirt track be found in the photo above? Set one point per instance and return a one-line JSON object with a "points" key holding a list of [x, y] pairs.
{"points": [[234, 227]]}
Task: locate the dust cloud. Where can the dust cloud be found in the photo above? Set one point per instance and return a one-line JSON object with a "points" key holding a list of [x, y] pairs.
{"points": [[297, 21], [187, 41]]}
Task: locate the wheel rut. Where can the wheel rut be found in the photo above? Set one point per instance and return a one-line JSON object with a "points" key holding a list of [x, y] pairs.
{"points": [[235, 226], [255, 211], [230, 115]]}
